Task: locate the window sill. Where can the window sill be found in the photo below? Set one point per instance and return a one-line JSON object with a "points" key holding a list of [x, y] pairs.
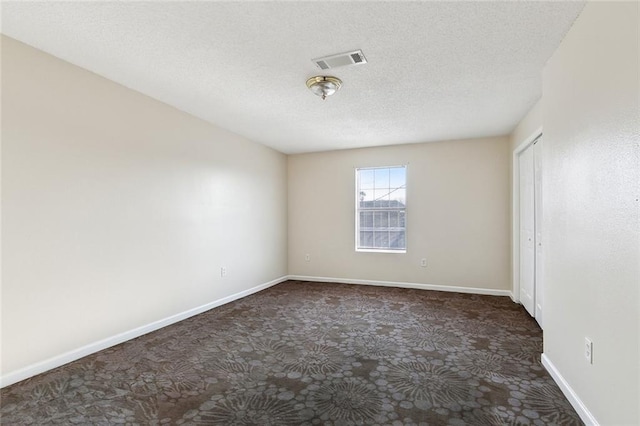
{"points": [[380, 251]]}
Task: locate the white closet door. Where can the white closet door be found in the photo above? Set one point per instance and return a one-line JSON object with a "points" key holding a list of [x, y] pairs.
{"points": [[527, 230], [539, 284]]}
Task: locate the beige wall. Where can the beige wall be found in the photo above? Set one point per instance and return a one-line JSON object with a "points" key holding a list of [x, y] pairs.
{"points": [[591, 159], [118, 210], [457, 214]]}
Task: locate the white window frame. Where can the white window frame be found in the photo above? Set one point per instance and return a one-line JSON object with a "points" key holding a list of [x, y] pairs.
{"points": [[357, 212]]}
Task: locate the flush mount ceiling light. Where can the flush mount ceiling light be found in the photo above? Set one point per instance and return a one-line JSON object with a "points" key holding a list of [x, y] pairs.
{"points": [[324, 86]]}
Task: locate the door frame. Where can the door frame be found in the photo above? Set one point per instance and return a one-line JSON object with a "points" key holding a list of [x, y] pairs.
{"points": [[515, 213]]}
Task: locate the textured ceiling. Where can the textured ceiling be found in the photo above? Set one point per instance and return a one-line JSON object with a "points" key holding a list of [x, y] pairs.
{"points": [[436, 71]]}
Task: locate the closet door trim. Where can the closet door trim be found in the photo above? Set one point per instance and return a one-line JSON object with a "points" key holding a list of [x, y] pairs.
{"points": [[515, 214]]}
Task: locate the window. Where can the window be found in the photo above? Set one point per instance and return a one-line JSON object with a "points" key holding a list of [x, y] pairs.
{"points": [[381, 209]]}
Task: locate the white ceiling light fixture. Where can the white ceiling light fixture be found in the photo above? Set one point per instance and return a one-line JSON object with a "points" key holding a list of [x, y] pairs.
{"points": [[324, 86]]}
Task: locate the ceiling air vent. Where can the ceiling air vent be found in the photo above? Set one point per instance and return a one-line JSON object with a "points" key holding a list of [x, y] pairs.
{"points": [[340, 60]]}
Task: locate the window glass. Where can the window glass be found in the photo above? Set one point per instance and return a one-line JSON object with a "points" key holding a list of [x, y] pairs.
{"points": [[381, 208]]}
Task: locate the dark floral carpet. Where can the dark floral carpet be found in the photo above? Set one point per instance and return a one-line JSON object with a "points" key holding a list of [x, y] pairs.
{"points": [[313, 354]]}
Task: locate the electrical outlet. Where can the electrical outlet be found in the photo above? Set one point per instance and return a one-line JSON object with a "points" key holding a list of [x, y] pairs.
{"points": [[588, 350], [423, 262], [307, 257], [223, 271]]}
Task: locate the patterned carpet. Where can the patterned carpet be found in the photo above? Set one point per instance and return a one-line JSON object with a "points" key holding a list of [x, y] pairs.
{"points": [[313, 354]]}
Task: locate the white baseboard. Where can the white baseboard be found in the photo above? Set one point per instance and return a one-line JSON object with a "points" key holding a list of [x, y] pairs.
{"points": [[472, 290], [65, 358], [573, 398]]}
